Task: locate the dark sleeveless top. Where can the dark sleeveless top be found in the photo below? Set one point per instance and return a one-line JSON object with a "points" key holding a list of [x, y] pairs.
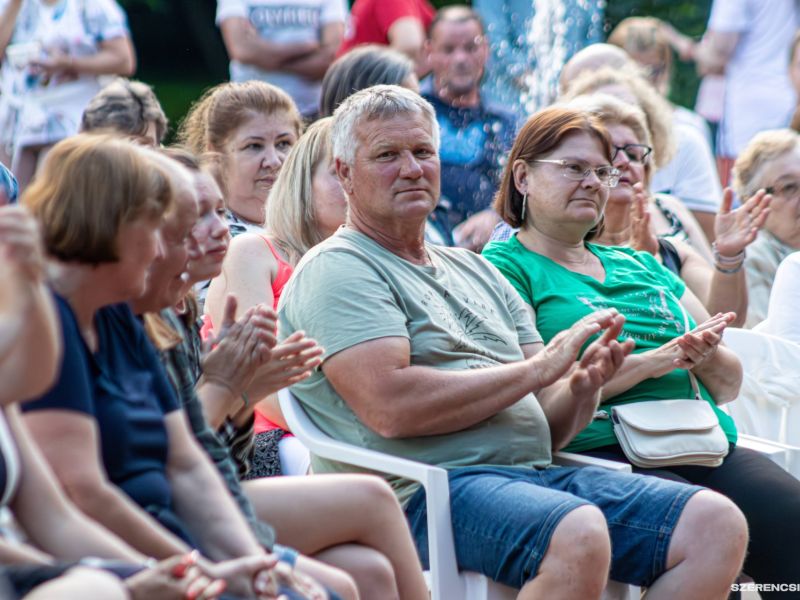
{"points": [[669, 256]]}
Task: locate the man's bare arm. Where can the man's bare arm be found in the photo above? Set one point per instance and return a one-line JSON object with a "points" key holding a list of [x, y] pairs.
{"points": [[397, 400]]}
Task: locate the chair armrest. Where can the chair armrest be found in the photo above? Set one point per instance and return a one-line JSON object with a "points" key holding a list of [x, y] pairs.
{"points": [[785, 456], [441, 549], [570, 459]]}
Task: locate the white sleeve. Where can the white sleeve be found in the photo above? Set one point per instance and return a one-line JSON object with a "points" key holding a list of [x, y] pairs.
{"points": [[106, 20], [333, 11], [729, 16], [697, 183], [784, 299], [230, 8]]}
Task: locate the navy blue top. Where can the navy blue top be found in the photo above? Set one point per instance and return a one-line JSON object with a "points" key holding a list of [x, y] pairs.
{"points": [[124, 387], [474, 145]]}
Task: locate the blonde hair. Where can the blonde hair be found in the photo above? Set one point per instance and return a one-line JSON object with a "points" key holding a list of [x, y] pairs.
{"points": [[291, 220], [223, 108], [613, 111], [637, 35], [763, 148], [89, 187], [656, 109]]}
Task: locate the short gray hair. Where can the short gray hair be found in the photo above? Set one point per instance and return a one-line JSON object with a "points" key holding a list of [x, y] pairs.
{"points": [[376, 102]]}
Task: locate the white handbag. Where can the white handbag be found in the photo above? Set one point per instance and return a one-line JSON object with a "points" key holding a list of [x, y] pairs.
{"points": [[664, 433]]}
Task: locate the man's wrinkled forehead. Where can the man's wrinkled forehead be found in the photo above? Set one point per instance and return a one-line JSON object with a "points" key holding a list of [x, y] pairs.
{"points": [[380, 128]]}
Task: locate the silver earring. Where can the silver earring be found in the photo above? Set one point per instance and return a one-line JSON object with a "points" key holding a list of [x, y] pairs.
{"points": [[524, 206]]}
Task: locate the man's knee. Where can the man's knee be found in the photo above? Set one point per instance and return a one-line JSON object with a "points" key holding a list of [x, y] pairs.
{"points": [[710, 521], [581, 544]]}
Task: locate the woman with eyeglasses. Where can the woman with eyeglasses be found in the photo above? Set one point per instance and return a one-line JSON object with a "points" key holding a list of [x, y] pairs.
{"points": [[555, 187], [771, 161], [721, 287]]}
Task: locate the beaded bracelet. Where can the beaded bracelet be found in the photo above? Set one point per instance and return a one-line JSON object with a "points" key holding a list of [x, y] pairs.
{"points": [[730, 271], [727, 260]]}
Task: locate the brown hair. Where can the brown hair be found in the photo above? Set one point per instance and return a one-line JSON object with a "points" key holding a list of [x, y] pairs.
{"points": [[89, 186], [127, 107], [224, 107], [541, 134]]}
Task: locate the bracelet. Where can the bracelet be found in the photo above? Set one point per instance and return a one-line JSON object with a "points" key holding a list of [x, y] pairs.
{"points": [[246, 400], [727, 260], [731, 271]]}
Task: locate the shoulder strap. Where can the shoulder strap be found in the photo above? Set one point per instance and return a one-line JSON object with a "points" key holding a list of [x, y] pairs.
{"points": [[692, 378]]}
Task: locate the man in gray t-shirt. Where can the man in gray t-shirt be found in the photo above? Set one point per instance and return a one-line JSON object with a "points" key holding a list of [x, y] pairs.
{"points": [[431, 355]]}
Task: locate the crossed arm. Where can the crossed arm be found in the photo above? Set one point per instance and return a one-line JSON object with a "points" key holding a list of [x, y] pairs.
{"points": [[309, 59]]}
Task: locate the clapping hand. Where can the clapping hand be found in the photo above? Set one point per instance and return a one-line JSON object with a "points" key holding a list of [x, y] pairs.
{"points": [[642, 236], [242, 347], [736, 229], [698, 346], [293, 360], [600, 360]]}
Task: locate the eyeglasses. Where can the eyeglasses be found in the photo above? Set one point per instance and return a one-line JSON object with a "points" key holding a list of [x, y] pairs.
{"points": [[578, 171], [639, 153], [787, 190]]}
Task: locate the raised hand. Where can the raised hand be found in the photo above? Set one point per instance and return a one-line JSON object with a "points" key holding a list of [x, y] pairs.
{"points": [[560, 354], [642, 236], [736, 229], [21, 242]]}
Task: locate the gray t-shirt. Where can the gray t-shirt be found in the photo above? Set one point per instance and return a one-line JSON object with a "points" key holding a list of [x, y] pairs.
{"points": [[458, 314]]}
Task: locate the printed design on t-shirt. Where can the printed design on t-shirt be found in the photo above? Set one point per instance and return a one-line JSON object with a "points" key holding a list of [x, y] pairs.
{"points": [[466, 326], [641, 302], [461, 146], [266, 18]]}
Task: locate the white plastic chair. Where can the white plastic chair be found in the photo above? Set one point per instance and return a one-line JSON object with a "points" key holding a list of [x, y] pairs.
{"points": [[767, 410], [444, 579]]}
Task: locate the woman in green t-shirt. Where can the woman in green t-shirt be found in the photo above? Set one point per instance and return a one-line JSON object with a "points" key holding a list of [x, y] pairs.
{"points": [[555, 188]]}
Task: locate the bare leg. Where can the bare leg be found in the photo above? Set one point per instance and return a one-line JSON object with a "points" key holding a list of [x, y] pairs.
{"points": [[315, 513], [331, 577], [79, 584], [371, 570], [706, 552], [577, 560]]}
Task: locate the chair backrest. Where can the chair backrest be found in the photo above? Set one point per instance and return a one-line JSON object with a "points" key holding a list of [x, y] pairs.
{"points": [[768, 405]]}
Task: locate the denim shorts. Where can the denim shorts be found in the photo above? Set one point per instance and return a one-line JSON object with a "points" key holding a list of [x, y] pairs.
{"points": [[503, 518]]}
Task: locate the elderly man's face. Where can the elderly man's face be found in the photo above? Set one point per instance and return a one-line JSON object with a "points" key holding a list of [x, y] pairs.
{"points": [[395, 174], [457, 54]]}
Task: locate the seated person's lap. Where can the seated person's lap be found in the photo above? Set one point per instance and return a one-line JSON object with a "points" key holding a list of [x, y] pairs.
{"points": [[504, 517]]}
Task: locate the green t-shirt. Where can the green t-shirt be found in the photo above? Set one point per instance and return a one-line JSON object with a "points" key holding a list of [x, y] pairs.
{"points": [[636, 285], [458, 314]]}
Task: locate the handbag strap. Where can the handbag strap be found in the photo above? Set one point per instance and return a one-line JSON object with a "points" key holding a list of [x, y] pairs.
{"points": [[692, 378]]}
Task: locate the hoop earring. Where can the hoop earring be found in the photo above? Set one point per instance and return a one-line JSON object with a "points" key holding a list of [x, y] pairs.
{"points": [[524, 207]]}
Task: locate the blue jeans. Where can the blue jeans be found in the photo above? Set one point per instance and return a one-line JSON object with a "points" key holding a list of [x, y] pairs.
{"points": [[503, 518]]}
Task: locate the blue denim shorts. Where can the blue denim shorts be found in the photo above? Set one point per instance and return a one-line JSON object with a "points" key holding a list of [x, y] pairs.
{"points": [[504, 517]]}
